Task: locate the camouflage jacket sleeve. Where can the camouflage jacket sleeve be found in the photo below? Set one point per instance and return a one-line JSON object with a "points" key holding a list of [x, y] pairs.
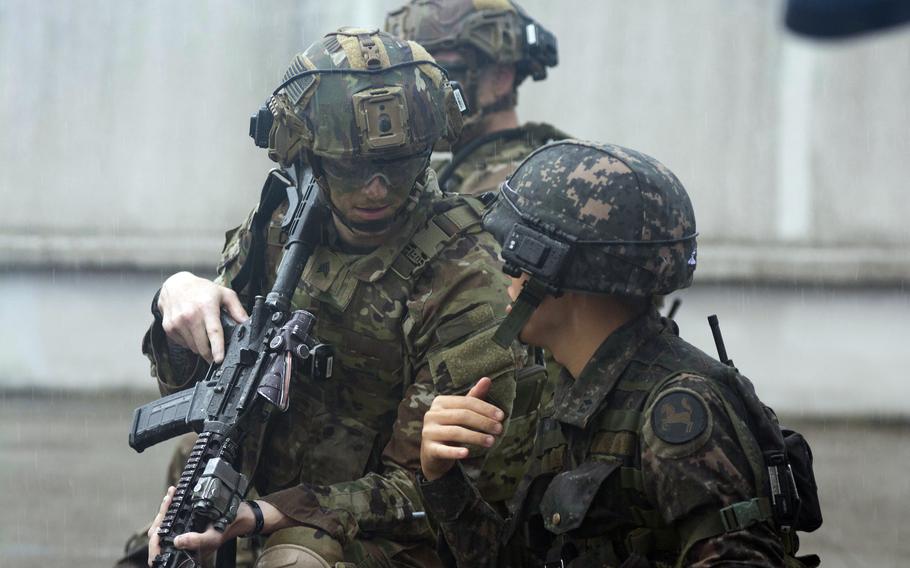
{"points": [[471, 527], [452, 313], [175, 367], [693, 465]]}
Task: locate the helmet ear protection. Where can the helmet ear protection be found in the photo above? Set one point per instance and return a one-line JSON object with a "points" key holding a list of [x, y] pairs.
{"points": [[287, 133], [261, 125], [277, 129], [456, 109]]}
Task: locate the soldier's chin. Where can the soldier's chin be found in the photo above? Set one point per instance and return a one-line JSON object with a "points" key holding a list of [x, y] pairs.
{"points": [[373, 226], [523, 338]]}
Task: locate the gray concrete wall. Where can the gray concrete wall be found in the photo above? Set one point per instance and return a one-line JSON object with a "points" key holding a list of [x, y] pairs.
{"points": [[810, 351], [124, 157], [794, 152], [125, 125]]}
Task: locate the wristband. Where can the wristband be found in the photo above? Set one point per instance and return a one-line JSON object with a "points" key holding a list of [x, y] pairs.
{"points": [[259, 519]]}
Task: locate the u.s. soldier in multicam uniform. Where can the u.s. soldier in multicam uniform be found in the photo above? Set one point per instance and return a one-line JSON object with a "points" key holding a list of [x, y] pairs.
{"points": [[490, 47], [405, 286], [648, 451]]}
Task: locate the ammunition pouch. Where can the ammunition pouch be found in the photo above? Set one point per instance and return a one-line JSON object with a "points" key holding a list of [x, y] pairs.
{"points": [[799, 456]]}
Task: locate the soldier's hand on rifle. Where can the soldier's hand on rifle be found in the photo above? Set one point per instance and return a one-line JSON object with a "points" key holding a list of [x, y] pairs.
{"points": [[154, 541], [453, 421], [191, 313], [209, 541]]}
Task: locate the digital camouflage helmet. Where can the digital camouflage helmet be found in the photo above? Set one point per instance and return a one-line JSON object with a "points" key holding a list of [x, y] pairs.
{"points": [[361, 103], [593, 218], [483, 32]]}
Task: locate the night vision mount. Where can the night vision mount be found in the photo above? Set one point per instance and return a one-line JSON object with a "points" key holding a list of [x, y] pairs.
{"points": [[260, 126], [541, 49]]}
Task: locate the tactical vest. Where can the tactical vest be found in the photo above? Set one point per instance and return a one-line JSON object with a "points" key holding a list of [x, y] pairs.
{"points": [[595, 512], [335, 430]]}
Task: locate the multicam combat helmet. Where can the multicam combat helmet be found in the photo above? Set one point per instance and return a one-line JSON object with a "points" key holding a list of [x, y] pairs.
{"points": [[359, 103], [484, 31], [594, 218]]}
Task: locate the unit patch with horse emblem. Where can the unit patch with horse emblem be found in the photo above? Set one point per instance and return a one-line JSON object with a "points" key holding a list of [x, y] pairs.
{"points": [[679, 416]]}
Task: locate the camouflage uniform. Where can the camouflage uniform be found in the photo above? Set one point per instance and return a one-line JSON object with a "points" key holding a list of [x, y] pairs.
{"points": [[408, 320], [640, 451], [485, 33], [485, 166], [341, 457], [647, 459]]}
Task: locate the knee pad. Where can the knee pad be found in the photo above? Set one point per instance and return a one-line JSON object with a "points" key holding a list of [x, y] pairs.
{"points": [[290, 556]]}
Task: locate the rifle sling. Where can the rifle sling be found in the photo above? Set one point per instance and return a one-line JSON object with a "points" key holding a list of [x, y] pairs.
{"points": [[252, 271]]}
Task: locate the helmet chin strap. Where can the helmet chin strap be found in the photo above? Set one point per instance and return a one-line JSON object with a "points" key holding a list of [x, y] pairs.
{"points": [[532, 294]]}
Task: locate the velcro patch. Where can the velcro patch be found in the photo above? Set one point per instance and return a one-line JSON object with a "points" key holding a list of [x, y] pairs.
{"points": [[468, 322], [679, 417], [457, 368]]}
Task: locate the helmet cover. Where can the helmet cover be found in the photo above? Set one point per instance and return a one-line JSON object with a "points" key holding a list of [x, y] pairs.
{"points": [[361, 94], [596, 218]]}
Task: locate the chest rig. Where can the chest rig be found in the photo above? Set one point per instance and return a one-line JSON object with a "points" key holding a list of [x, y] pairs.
{"points": [[335, 429], [587, 505]]}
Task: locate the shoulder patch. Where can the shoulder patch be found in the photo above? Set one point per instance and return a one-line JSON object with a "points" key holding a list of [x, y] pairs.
{"points": [[679, 416]]}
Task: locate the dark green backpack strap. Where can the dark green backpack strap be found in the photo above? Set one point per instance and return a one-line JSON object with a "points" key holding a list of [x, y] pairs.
{"points": [[735, 517]]}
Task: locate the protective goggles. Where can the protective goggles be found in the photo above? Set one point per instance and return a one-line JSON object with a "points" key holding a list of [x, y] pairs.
{"points": [[350, 175]]}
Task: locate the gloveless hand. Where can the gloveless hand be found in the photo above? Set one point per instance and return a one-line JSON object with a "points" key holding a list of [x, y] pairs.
{"points": [[210, 540], [453, 421], [191, 313]]}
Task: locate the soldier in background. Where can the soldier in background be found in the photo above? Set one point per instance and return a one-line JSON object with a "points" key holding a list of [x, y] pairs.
{"points": [[648, 459], [490, 48], [405, 286]]}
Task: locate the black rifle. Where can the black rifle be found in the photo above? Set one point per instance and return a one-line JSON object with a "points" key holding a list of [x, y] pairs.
{"points": [[239, 394]]}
